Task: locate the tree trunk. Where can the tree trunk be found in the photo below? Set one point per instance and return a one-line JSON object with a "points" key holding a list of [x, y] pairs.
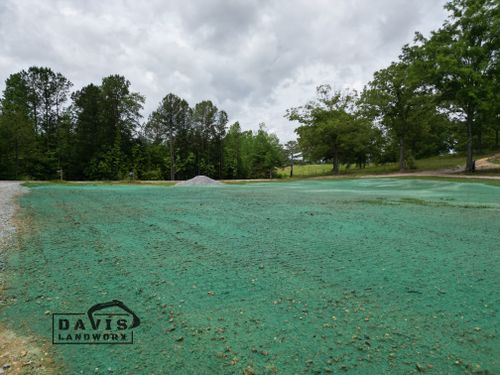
{"points": [[496, 138], [16, 171], [469, 167], [479, 140], [402, 162], [172, 160], [291, 166], [336, 162], [221, 158]]}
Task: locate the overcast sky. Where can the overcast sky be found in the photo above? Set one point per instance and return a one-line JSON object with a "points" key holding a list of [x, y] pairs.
{"points": [[252, 58]]}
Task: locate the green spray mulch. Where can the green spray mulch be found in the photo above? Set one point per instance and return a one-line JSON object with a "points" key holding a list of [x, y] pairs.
{"points": [[357, 276]]}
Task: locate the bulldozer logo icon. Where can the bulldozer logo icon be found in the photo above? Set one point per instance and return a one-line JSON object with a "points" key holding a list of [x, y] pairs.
{"points": [[115, 325]]}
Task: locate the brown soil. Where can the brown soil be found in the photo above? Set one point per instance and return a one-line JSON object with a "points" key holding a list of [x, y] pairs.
{"points": [[23, 355], [486, 163]]}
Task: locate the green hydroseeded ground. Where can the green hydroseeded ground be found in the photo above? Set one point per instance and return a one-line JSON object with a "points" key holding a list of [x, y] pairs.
{"points": [[357, 276]]}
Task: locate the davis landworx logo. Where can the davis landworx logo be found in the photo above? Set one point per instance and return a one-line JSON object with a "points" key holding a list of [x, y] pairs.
{"points": [[114, 326]]}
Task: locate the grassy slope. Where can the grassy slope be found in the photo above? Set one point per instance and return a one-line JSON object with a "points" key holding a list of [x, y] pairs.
{"points": [[428, 164]]}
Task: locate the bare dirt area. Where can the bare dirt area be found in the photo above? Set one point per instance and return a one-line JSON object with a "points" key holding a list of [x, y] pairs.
{"points": [[486, 163], [22, 355]]}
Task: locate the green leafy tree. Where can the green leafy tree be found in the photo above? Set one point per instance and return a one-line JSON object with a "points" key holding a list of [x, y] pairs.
{"points": [[267, 154], [331, 128], [399, 102], [120, 119], [18, 138], [48, 93], [172, 117], [291, 148], [461, 57], [89, 133]]}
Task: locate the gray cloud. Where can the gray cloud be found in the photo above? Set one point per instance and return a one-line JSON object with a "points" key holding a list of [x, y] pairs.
{"points": [[253, 58]]}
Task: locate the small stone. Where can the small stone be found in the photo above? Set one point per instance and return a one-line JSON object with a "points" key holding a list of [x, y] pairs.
{"points": [[211, 293], [179, 339], [328, 369], [248, 371], [419, 368], [221, 355], [170, 329], [234, 361]]}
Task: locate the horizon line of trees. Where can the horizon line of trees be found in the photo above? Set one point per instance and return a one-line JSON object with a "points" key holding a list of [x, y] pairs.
{"points": [[441, 96], [96, 133]]}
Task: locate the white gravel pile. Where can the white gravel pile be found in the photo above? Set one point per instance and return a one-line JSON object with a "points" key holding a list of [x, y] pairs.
{"points": [[8, 189], [198, 180]]}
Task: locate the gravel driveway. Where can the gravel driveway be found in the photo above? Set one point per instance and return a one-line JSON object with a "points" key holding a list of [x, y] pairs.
{"points": [[8, 189]]}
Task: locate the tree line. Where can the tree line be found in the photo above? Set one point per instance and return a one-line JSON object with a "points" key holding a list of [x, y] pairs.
{"points": [[96, 133], [441, 96]]}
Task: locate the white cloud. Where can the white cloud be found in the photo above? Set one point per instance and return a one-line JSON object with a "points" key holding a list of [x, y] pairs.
{"points": [[253, 58]]}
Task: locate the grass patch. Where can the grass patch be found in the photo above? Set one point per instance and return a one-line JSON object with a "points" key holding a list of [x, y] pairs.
{"points": [[318, 170], [427, 164]]}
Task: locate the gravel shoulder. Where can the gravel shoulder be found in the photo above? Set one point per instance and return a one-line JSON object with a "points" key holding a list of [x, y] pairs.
{"points": [[18, 354], [8, 191]]}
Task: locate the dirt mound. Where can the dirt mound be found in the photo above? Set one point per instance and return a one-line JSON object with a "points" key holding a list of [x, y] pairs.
{"points": [[199, 180]]}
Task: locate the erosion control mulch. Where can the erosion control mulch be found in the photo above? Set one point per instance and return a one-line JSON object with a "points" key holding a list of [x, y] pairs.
{"points": [[359, 276]]}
